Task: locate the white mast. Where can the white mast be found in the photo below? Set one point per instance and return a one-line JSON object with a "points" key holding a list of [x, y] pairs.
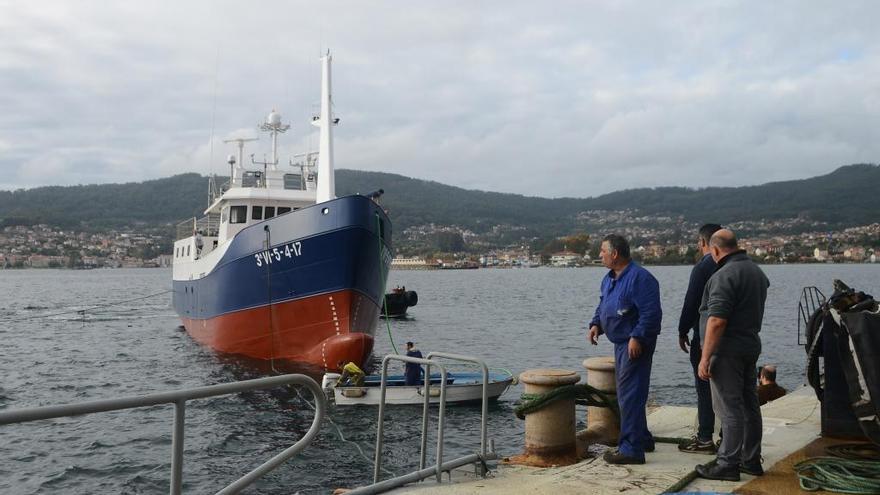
{"points": [[326, 185]]}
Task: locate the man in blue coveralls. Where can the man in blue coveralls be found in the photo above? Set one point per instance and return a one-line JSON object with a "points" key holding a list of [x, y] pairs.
{"points": [[629, 315]]}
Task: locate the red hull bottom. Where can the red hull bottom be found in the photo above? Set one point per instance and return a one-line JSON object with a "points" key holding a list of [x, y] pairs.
{"points": [[319, 330]]}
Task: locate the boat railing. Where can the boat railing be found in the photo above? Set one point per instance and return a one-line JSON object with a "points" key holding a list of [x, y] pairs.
{"points": [[208, 225], [179, 399], [440, 466]]}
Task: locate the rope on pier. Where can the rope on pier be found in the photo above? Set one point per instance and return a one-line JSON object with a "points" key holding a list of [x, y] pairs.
{"points": [[839, 475], [584, 395]]}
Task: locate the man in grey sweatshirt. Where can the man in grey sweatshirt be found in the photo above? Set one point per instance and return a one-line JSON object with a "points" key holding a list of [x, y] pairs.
{"points": [[731, 313]]}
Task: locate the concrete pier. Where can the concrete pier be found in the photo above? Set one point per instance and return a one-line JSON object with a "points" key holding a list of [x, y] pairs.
{"points": [[790, 424]]}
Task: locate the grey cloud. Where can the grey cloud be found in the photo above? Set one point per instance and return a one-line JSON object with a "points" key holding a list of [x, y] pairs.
{"points": [[575, 100]]}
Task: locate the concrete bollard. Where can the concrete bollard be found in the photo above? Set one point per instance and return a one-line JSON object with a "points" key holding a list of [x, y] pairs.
{"points": [[550, 431], [603, 426]]}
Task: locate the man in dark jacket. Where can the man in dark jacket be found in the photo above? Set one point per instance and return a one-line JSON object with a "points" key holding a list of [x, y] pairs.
{"points": [[629, 315], [412, 372], [769, 390], [731, 314], [702, 442]]}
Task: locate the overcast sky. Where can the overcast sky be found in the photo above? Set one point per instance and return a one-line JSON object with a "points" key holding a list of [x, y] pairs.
{"points": [[539, 98]]}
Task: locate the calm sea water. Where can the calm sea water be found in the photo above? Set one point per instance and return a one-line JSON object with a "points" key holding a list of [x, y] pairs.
{"points": [[515, 319]]}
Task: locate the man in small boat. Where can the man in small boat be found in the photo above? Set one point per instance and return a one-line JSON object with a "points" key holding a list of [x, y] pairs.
{"points": [[629, 315], [768, 389], [352, 375], [412, 372]]}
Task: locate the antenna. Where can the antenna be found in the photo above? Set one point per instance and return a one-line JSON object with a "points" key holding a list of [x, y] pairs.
{"points": [[231, 159], [273, 125]]}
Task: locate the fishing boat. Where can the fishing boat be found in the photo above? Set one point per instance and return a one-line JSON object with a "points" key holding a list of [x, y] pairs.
{"points": [[279, 267], [461, 387]]}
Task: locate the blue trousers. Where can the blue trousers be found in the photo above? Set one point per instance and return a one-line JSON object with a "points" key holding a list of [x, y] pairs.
{"points": [[633, 381]]}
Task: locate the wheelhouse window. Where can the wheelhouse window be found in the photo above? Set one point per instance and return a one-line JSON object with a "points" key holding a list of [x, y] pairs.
{"points": [[270, 212], [224, 214], [283, 209], [257, 213], [238, 214]]}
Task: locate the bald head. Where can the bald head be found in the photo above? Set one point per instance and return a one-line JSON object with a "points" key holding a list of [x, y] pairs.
{"points": [[724, 240], [721, 244]]}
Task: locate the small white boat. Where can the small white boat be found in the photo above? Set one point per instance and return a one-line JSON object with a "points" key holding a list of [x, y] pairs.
{"points": [[461, 387]]}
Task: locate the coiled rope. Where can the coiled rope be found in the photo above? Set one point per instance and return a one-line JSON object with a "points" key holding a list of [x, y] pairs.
{"points": [[583, 394], [855, 451], [839, 475]]}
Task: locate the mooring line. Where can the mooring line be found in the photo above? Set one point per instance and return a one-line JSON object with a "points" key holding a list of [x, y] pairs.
{"points": [[93, 307], [341, 436]]}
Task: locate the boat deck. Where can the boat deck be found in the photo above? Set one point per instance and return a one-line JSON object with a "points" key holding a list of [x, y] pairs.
{"points": [[791, 425]]}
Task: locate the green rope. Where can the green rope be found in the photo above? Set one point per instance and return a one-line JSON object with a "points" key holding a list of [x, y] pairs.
{"points": [[687, 479], [582, 394], [384, 280], [839, 475]]}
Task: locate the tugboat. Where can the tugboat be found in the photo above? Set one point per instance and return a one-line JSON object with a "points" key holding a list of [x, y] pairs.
{"points": [[397, 301], [279, 268]]}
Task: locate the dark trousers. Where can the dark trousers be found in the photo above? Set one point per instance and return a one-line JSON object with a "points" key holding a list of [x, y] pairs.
{"points": [[705, 414], [735, 400], [633, 379]]}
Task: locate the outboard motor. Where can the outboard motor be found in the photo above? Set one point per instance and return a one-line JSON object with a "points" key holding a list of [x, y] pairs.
{"points": [[328, 383]]}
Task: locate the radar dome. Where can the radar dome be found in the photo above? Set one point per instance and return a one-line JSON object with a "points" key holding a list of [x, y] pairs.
{"points": [[274, 118]]}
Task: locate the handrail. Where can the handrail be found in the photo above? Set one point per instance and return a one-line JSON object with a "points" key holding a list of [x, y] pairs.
{"points": [[423, 472], [179, 398], [485, 402], [380, 427]]}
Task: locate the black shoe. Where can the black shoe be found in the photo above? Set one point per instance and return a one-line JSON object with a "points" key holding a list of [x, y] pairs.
{"points": [[697, 446], [615, 457], [650, 448], [716, 472], [752, 468]]}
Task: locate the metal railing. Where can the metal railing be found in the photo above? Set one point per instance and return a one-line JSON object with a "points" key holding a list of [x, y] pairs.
{"points": [[811, 299], [440, 467], [209, 226], [179, 398]]}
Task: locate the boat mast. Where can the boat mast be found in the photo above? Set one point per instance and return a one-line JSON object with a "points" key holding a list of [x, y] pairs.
{"points": [[326, 186]]}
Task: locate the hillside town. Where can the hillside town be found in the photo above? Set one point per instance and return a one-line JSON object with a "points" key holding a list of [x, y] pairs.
{"points": [[42, 246], [655, 240]]}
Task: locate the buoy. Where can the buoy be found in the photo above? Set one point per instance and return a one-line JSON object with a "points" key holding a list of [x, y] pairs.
{"points": [[603, 425], [550, 431]]}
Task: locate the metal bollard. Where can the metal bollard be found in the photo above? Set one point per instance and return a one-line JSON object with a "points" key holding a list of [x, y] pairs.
{"points": [[603, 426], [550, 431]]}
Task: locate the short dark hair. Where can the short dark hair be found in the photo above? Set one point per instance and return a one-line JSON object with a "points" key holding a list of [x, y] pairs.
{"points": [[619, 244], [409, 344], [769, 373], [707, 230]]}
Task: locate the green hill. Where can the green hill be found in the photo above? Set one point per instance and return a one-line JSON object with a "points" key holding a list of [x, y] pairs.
{"points": [[842, 198]]}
